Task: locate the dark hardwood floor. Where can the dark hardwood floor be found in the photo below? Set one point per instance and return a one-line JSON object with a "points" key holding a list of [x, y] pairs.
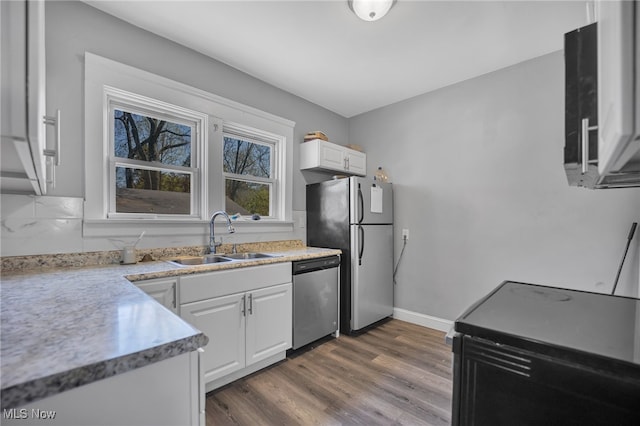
{"points": [[395, 374]]}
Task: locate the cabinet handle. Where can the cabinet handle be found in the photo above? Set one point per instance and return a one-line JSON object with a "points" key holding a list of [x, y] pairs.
{"points": [[243, 307], [53, 153], [51, 174], [54, 121], [175, 296], [585, 143], [250, 304]]}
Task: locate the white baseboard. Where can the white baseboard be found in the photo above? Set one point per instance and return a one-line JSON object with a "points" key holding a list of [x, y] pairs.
{"points": [[422, 319]]}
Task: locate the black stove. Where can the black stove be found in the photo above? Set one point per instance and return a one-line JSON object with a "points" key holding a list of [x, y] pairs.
{"points": [[529, 354], [598, 324]]}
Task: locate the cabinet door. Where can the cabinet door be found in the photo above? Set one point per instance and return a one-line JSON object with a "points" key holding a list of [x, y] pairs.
{"points": [[332, 156], [37, 103], [158, 394], [22, 160], [327, 156], [581, 105], [222, 320], [269, 322], [356, 162], [618, 36], [164, 291]]}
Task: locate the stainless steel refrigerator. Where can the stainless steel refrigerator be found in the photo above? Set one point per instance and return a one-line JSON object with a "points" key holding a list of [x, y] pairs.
{"points": [[356, 215]]}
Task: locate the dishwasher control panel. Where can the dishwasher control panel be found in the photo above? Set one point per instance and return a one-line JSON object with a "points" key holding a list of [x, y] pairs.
{"points": [[302, 266]]}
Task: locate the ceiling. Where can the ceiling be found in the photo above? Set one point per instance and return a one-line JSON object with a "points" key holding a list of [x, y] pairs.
{"points": [[320, 51]]}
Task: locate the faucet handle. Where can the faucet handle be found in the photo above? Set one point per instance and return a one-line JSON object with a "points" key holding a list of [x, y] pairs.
{"points": [[214, 245]]}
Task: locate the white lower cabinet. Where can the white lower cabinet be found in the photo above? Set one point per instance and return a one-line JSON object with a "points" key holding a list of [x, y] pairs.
{"points": [[165, 291], [269, 322], [167, 393], [222, 321], [249, 328]]}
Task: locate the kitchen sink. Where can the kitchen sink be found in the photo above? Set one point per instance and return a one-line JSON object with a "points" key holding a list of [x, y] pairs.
{"points": [[247, 256], [200, 260], [218, 258]]}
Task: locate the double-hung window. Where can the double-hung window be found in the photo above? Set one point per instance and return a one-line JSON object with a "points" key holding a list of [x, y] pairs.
{"points": [[250, 169], [158, 151], [155, 165]]}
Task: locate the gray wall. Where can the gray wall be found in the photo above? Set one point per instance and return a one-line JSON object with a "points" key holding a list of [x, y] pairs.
{"points": [[54, 224], [478, 177], [476, 167], [74, 27]]}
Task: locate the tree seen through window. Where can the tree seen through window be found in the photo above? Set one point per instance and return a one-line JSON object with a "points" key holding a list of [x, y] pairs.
{"points": [[154, 156], [248, 176]]}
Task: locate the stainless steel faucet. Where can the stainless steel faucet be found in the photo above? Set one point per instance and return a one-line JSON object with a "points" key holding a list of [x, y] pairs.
{"points": [[212, 239]]}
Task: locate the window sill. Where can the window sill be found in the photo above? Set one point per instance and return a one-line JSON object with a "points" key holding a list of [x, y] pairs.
{"points": [[132, 227]]}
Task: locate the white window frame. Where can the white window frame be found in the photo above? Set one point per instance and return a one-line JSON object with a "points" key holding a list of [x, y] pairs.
{"points": [[101, 73], [276, 142], [131, 102]]}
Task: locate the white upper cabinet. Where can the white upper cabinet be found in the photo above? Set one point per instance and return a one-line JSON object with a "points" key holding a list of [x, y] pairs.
{"points": [[25, 166], [619, 89], [321, 155]]}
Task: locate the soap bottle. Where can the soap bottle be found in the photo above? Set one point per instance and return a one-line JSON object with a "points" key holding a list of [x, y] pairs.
{"points": [[381, 176]]}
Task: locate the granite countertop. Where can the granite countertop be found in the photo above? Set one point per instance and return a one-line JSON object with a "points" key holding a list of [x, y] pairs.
{"points": [[66, 327]]}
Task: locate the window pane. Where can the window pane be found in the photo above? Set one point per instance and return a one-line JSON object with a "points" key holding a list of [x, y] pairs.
{"points": [[247, 197], [247, 158], [150, 139], [152, 191]]}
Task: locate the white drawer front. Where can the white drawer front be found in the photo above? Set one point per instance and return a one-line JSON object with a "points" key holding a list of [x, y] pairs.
{"points": [[221, 283]]}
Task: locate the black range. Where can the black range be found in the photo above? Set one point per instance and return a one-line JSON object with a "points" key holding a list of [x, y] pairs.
{"points": [[532, 354]]}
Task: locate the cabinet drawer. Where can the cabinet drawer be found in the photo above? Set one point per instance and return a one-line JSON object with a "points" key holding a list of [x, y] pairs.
{"points": [[221, 283]]}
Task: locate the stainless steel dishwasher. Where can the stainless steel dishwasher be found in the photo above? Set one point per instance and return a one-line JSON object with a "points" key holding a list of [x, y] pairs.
{"points": [[315, 299]]}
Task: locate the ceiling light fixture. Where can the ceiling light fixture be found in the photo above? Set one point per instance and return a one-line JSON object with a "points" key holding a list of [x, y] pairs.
{"points": [[370, 10]]}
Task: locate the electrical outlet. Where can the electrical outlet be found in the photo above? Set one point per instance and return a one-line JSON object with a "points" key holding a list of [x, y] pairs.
{"points": [[405, 234]]}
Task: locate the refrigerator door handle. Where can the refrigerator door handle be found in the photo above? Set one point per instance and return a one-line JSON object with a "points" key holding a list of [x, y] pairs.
{"points": [[361, 242], [361, 202]]}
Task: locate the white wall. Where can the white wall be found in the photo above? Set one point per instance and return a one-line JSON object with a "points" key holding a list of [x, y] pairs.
{"points": [[73, 28], [479, 182]]}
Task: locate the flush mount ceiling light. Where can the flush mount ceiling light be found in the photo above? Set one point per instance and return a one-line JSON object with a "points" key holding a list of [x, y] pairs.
{"points": [[370, 10]]}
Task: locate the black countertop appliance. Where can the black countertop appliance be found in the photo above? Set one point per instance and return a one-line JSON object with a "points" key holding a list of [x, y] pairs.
{"points": [[536, 355]]}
